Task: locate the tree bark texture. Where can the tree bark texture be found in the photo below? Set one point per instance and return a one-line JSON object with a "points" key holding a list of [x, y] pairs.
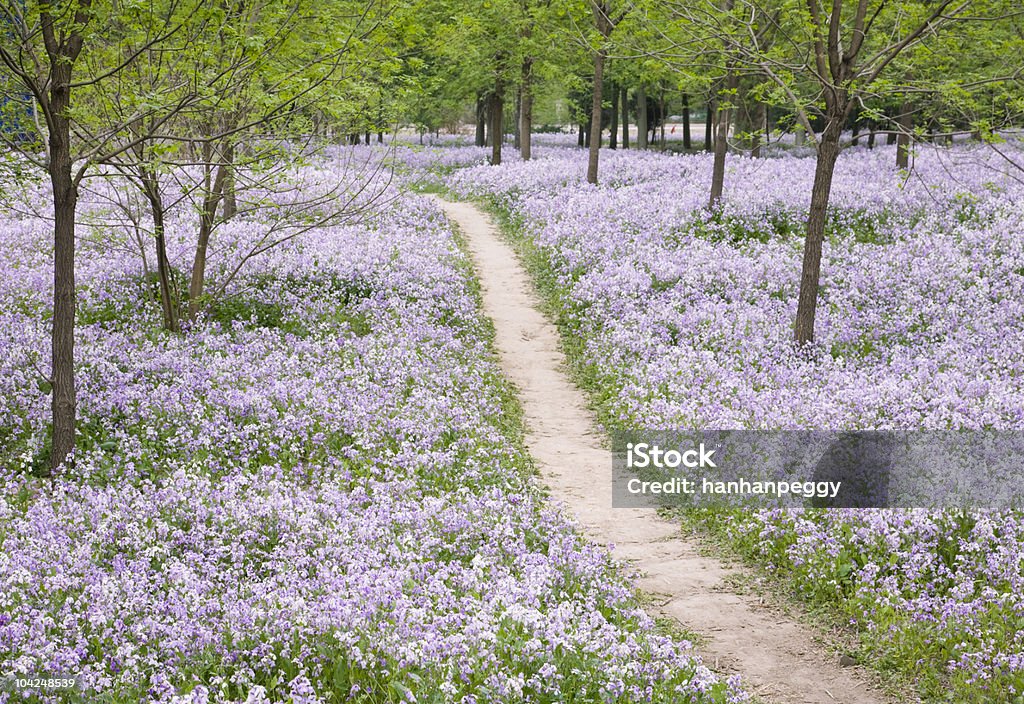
{"points": [[903, 139], [230, 200], [613, 128], [624, 98], [168, 304], [595, 117], [641, 118], [54, 96], [214, 190], [481, 122], [721, 144], [755, 129], [526, 111], [828, 153], [708, 127], [687, 144], [65, 201], [517, 142], [496, 110]]}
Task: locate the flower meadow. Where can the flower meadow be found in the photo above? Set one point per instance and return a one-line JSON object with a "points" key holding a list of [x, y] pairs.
{"points": [[681, 316], [315, 493]]}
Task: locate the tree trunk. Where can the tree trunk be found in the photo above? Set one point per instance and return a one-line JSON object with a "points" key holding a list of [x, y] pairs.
{"points": [[641, 118], [230, 200], [595, 117], [151, 190], [828, 152], [663, 108], [755, 130], [708, 125], [581, 136], [687, 144], [526, 112], [481, 122], [625, 118], [903, 140], [871, 138], [517, 140], [211, 198], [497, 114], [380, 138], [163, 266], [855, 140], [65, 201], [141, 240], [721, 144], [613, 128]]}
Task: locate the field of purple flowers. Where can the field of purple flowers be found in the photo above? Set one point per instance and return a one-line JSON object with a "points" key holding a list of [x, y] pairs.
{"points": [[678, 316], [315, 493]]}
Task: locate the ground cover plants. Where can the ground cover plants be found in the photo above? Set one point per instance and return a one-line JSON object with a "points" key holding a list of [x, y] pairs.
{"points": [[255, 444], [316, 492], [678, 315]]}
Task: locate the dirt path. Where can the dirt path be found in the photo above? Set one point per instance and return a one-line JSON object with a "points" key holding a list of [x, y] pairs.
{"points": [[776, 657]]}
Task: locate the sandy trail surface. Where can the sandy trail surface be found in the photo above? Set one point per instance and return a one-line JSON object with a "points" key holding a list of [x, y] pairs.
{"points": [[776, 657]]}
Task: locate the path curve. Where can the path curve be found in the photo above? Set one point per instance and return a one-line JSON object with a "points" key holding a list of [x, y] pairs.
{"points": [[776, 657]]}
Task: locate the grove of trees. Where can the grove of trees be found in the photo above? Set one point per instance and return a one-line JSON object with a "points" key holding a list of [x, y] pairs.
{"points": [[221, 95]]}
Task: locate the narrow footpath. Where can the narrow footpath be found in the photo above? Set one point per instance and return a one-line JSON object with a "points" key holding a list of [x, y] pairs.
{"points": [[776, 657]]}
